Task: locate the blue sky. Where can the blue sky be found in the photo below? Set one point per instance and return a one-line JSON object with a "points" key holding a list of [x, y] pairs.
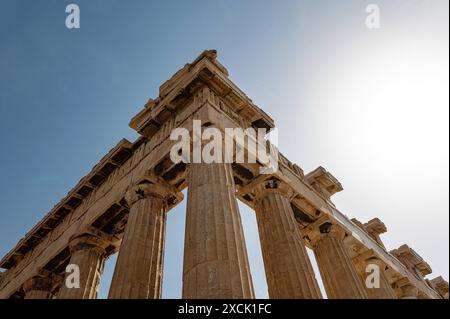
{"points": [[369, 105]]}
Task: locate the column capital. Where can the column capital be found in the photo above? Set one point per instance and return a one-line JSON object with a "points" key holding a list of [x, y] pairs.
{"points": [[323, 227], [88, 241], [273, 185], [366, 258], [152, 189], [89, 253], [40, 283]]}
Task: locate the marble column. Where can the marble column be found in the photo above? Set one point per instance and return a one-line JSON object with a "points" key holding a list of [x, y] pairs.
{"points": [[288, 269], [39, 288], [339, 275], [139, 268], [88, 253], [215, 255], [375, 268]]}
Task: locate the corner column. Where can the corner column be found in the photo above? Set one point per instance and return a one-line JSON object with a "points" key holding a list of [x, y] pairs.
{"points": [[88, 253], [139, 267], [215, 255], [288, 269], [339, 275]]}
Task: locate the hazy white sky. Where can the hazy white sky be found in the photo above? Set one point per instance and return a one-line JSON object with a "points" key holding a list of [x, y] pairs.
{"points": [[371, 106], [376, 115]]}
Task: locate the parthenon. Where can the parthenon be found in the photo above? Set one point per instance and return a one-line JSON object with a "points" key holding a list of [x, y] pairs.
{"points": [[121, 206]]}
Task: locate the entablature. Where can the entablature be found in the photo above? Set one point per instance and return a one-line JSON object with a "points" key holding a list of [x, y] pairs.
{"points": [[111, 161], [323, 182], [412, 260], [174, 94]]}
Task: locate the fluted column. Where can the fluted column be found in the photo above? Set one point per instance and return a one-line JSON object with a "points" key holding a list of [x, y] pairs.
{"points": [[288, 269], [215, 256], [380, 288], [39, 288], [139, 267], [339, 275], [88, 253]]}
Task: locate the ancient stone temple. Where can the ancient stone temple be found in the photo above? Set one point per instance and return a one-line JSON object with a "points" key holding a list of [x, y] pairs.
{"points": [[121, 207]]}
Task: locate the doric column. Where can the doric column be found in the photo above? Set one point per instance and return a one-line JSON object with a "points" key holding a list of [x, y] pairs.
{"points": [[288, 268], [339, 275], [373, 273], [139, 268], [215, 256], [88, 253], [39, 288]]}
